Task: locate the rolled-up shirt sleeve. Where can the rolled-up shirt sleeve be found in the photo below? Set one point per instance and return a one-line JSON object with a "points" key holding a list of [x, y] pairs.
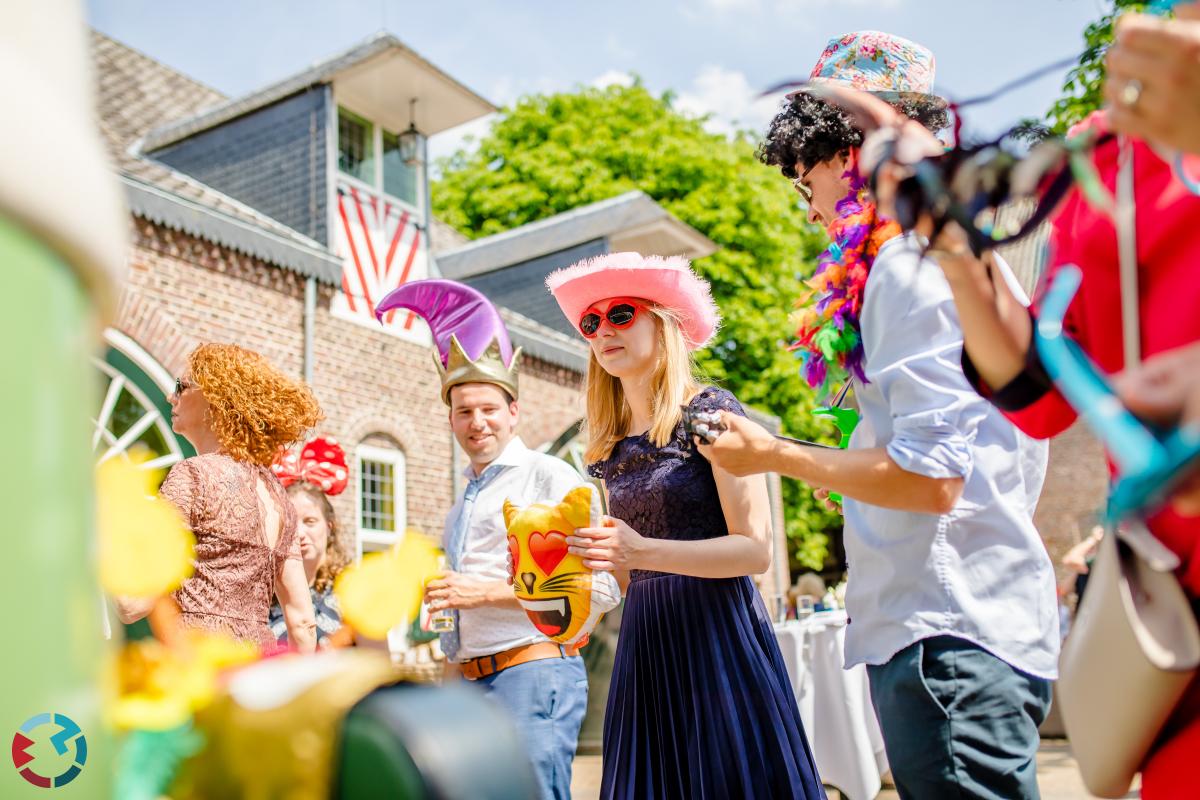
{"points": [[913, 345]]}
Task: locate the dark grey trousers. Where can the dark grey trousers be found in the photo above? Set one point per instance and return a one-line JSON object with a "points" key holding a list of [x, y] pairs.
{"points": [[958, 722]]}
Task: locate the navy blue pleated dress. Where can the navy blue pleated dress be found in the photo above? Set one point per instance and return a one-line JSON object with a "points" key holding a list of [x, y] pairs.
{"points": [[700, 705]]}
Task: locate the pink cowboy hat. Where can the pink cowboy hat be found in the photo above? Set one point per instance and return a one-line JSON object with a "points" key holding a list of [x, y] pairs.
{"points": [[668, 282]]}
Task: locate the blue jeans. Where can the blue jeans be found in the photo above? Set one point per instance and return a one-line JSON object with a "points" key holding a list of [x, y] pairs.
{"points": [[546, 700], [958, 722]]}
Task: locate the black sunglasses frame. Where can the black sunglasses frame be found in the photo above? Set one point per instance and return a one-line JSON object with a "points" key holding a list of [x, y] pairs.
{"points": [[616, 308]]}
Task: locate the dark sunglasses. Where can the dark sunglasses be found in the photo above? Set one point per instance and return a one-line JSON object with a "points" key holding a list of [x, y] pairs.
{"points": [[181, 385], [620, 314]]}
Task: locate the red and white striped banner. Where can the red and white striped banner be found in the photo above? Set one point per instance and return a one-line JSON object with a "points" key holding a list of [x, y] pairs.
{"points": [[382, 248]]}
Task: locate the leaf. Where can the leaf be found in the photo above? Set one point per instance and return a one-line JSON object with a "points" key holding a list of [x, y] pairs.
{"points": [[1081, 91]]}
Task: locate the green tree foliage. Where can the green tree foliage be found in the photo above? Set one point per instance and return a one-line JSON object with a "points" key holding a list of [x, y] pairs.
{"points": [[553, 153], [1082, 88]]}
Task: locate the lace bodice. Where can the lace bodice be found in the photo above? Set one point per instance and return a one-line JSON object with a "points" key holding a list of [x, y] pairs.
{"points": [[666, 492], [236, 566]]}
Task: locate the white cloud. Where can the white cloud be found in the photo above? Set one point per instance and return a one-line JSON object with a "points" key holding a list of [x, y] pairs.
{"points": [[730, 99], [614, 77]]}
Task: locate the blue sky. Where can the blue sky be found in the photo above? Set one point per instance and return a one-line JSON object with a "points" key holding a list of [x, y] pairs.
{"points": [[715, 54]]}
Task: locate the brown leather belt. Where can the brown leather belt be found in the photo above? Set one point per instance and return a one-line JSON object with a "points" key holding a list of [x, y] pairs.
{"points": [[475, 668]]}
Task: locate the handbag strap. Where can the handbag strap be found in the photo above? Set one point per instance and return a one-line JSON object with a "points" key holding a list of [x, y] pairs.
{"points": [[1125, 222], [1126, 225]]}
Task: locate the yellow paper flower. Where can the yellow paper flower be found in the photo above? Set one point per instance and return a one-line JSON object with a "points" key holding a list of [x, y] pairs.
{"points": [[384, 590], [145, 549], [155, 687]]}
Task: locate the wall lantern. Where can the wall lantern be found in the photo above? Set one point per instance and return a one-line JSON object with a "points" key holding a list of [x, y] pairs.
{"points": [[410, 140]]}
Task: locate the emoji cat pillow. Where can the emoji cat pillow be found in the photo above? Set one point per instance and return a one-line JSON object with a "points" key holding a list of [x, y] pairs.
{"points": [[563, 598]]}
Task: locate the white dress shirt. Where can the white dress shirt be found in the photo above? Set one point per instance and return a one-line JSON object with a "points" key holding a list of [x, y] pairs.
{"points": [[526, 476], [980, 572]]}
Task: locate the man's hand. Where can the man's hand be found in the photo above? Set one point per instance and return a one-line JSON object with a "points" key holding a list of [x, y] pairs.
{"points": [[1165, 390], [822, 496], [614, 546], [1076, 558], [455, 590], [1154, 78], [743, 448]]}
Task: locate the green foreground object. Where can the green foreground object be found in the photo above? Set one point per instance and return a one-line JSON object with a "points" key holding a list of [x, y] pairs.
{"points": [[846, 420], [420, 742], [54, 632]]}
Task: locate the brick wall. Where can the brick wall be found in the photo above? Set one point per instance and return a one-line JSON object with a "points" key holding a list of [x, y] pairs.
{"points": [[272, 160], [183, 291]]}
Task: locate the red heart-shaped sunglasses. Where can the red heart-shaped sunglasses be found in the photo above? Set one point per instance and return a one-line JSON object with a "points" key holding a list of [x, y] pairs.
{"points": [[621, 313]]}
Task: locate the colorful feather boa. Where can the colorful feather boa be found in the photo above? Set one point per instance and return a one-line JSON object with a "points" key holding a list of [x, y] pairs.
{"points": [[827, 331]]}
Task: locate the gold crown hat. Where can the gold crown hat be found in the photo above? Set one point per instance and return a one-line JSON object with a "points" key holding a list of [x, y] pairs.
{"points": [[471, 344]]}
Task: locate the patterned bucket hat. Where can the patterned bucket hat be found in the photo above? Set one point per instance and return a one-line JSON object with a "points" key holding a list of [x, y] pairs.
{"points": [[889, 66]]}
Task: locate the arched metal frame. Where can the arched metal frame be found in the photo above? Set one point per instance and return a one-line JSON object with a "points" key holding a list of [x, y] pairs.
{"points": [[135, 382], [569, 446]]}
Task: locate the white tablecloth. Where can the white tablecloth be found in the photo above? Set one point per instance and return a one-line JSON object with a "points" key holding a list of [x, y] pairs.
{"points": [[835, 704]]}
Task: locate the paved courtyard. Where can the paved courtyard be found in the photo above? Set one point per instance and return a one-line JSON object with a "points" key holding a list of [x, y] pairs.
{"points": [[1057, 776]]}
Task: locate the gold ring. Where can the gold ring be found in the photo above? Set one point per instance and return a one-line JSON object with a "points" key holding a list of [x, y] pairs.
{"points": [[1130, 93]]}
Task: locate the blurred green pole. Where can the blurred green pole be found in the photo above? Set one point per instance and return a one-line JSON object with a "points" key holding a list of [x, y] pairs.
{"points": [[53, 632]]}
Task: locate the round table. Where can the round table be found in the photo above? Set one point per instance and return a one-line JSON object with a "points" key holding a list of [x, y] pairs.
{"points": [[835, 704]]}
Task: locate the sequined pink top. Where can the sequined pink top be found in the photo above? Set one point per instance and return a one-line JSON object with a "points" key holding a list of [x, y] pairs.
{"points": [[236, 568]]}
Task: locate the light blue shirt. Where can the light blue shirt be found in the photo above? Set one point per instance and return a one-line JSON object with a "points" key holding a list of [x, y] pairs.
{"points": [[523, 477], [980, 572]]}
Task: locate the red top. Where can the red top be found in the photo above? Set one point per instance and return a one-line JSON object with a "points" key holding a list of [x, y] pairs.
{"points": [[1168, 249]]}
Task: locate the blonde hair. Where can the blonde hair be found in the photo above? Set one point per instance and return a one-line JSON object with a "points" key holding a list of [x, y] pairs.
{"points": [[254, 408], [673, 384]]}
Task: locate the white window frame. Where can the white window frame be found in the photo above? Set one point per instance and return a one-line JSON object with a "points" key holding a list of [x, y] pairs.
{"points": [[370, 539], [377, 157]]}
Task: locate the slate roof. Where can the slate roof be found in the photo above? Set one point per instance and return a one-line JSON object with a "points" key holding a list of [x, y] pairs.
{"points": [[135, 94], [605, 219], [325, 71]]}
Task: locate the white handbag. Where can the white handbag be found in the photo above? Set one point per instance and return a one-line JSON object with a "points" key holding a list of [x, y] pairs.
{"points": [[1131, 653]]}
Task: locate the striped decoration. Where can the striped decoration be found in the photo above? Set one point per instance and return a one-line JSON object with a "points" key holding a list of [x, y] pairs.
{"points": [[383, 248]]}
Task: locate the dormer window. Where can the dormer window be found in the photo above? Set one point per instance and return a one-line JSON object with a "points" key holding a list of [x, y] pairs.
{"points": [[356, 139], [395, 174]]}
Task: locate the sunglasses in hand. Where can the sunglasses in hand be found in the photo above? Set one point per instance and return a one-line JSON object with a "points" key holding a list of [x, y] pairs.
{"points": [[708, 426]]}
